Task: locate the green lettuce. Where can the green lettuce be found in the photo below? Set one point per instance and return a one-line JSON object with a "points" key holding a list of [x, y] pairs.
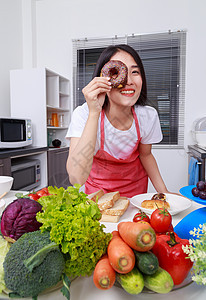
{"points": [[73, 222], [4, 248]]}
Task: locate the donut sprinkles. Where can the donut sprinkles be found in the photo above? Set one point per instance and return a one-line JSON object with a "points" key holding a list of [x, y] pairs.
{"points": [[117, 71]]}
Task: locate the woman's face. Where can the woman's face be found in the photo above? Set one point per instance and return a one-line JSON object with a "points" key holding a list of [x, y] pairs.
{"points": [[128, 95]]}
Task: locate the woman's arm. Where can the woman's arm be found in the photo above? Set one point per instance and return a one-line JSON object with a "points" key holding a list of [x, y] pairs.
{"points": [[81, 151], [149, 163]]}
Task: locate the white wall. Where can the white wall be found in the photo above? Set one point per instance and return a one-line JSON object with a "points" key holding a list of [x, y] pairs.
{"points": [[60, 21], [54, 23], [10, 48]]}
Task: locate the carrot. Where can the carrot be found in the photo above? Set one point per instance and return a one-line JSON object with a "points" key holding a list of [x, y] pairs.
{"points": [[139, 236], [104, 275], [115, 233], [121, 256]]}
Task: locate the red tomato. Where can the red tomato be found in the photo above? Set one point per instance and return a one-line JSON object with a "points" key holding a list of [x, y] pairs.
{"points": [[170, 229], [43, 192], [33, 197], [45, 189], [141, 216], [160, 220]]}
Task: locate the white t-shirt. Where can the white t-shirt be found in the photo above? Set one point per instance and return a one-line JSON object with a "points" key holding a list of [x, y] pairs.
{"points": [[119, 143]]}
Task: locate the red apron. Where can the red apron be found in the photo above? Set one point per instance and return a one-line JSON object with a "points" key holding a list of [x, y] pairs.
{"points": [[112, 174]]}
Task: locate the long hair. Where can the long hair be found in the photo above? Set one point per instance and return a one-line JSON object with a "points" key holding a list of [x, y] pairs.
{"points": [[106, 56]]}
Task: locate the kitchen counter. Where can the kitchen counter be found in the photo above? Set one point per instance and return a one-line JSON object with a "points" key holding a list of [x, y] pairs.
{"points": [[83, 288], [4, 153]]}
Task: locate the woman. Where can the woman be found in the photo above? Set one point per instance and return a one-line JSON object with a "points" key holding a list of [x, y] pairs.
{"points": [[111, 135]]}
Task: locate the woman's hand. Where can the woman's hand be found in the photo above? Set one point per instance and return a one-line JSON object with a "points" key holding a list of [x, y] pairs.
{"points": [[95, 92]]}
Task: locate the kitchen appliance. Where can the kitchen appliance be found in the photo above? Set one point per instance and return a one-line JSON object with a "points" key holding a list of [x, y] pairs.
{"points": [[199, 132], [15, 133], [199, 154], [26, 174]]}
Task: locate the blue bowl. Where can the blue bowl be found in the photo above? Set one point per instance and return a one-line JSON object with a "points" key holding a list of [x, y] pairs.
{"points": [[187, 192], [193, 219]]}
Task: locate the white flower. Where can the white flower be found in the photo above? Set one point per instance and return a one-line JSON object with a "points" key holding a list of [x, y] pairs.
{"points": [[196, 251]]}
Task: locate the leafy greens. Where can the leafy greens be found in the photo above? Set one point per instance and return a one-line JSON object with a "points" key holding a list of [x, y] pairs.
{"points": [[73, 222]]}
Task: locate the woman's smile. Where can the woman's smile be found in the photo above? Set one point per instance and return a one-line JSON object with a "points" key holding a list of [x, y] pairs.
{"points": [[128, 92]]}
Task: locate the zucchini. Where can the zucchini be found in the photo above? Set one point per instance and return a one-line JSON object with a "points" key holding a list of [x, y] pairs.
{"points": [[132, 282], [146, 262], [160, 282]]}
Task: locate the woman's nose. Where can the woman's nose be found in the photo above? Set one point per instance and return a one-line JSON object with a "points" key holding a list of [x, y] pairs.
{"points": [[129, 79]]}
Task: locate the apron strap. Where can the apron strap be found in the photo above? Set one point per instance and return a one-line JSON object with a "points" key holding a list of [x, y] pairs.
{"points": [[102, 130], [136, 123]]}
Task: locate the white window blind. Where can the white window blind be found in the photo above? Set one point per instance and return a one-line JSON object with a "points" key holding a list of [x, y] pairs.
{"points": [[163, 56]]}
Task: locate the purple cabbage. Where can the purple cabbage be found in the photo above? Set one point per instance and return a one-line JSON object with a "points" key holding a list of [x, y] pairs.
{"points": [[19, 217]]}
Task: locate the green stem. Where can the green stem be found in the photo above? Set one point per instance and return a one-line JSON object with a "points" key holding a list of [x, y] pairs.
{"points": [[36, 259]]}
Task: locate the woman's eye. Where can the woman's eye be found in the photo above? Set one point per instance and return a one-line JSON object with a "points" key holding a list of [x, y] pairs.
{"points": [[135, 72]]}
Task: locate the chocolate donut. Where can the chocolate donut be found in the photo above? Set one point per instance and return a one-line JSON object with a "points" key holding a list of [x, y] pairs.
{"points": [[117, 71], [159, 196]]}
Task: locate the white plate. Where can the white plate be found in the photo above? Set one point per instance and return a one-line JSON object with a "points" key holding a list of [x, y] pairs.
{"points": [[177, 203]]}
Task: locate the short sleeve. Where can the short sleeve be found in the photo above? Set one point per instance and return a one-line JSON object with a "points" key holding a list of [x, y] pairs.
{"points": [[149, 123], [78, 121]]}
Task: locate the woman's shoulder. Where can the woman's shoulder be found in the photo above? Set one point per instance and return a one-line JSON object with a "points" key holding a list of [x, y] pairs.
{"points": [[81, 111], [146, 111], [82, 108]]}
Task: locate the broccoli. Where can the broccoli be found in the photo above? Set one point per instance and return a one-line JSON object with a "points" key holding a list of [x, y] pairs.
{"points": [[32, 264]]}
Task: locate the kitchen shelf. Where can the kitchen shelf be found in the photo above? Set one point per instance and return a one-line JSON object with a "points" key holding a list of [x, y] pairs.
{"points": [[36, 94], [63, 94], [57, 128], [56, 109]]}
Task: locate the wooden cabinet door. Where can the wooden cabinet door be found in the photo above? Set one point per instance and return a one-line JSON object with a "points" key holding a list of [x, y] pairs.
{"points": [[5, 166], [57, 173]]}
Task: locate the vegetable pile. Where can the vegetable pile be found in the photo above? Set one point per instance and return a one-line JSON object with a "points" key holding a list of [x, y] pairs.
{"points": [[68, 241], [73, 222], [58, 237], [144, 253]]}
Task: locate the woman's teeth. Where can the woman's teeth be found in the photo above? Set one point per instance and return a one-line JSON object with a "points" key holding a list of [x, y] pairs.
{"points": [[127, 92]]}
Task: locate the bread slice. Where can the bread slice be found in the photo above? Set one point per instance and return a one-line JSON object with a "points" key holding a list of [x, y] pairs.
{"points": [[108, 200], [119, 207], [96, 195], [108, 218], [153, 204]]}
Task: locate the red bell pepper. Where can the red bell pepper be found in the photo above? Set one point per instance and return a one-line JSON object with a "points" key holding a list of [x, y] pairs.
{"points": [[168, 249]]}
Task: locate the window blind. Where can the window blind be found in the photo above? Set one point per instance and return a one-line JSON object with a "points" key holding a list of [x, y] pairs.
{"points": [[163, 56]]}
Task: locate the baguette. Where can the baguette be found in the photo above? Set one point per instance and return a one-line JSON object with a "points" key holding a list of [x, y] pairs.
{"points": [[119, 207], [108, 200]]}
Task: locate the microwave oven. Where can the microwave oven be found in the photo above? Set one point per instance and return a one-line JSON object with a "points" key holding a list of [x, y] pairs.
{"points": [[26, 174], [15, 133]]}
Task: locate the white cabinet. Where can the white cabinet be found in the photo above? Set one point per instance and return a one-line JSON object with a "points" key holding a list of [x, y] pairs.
{"points": [[38, 94]]}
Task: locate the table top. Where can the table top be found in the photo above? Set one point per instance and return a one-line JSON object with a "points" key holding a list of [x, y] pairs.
{"points": [[84, 288]]}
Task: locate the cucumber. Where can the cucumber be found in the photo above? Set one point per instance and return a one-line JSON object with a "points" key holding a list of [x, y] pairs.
{"points": [[146, 262], [160, 282], [132, 282]]}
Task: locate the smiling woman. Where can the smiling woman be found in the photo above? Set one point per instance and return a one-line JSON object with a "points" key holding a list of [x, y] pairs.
{"points": [[163, 55], [111, 134]]}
